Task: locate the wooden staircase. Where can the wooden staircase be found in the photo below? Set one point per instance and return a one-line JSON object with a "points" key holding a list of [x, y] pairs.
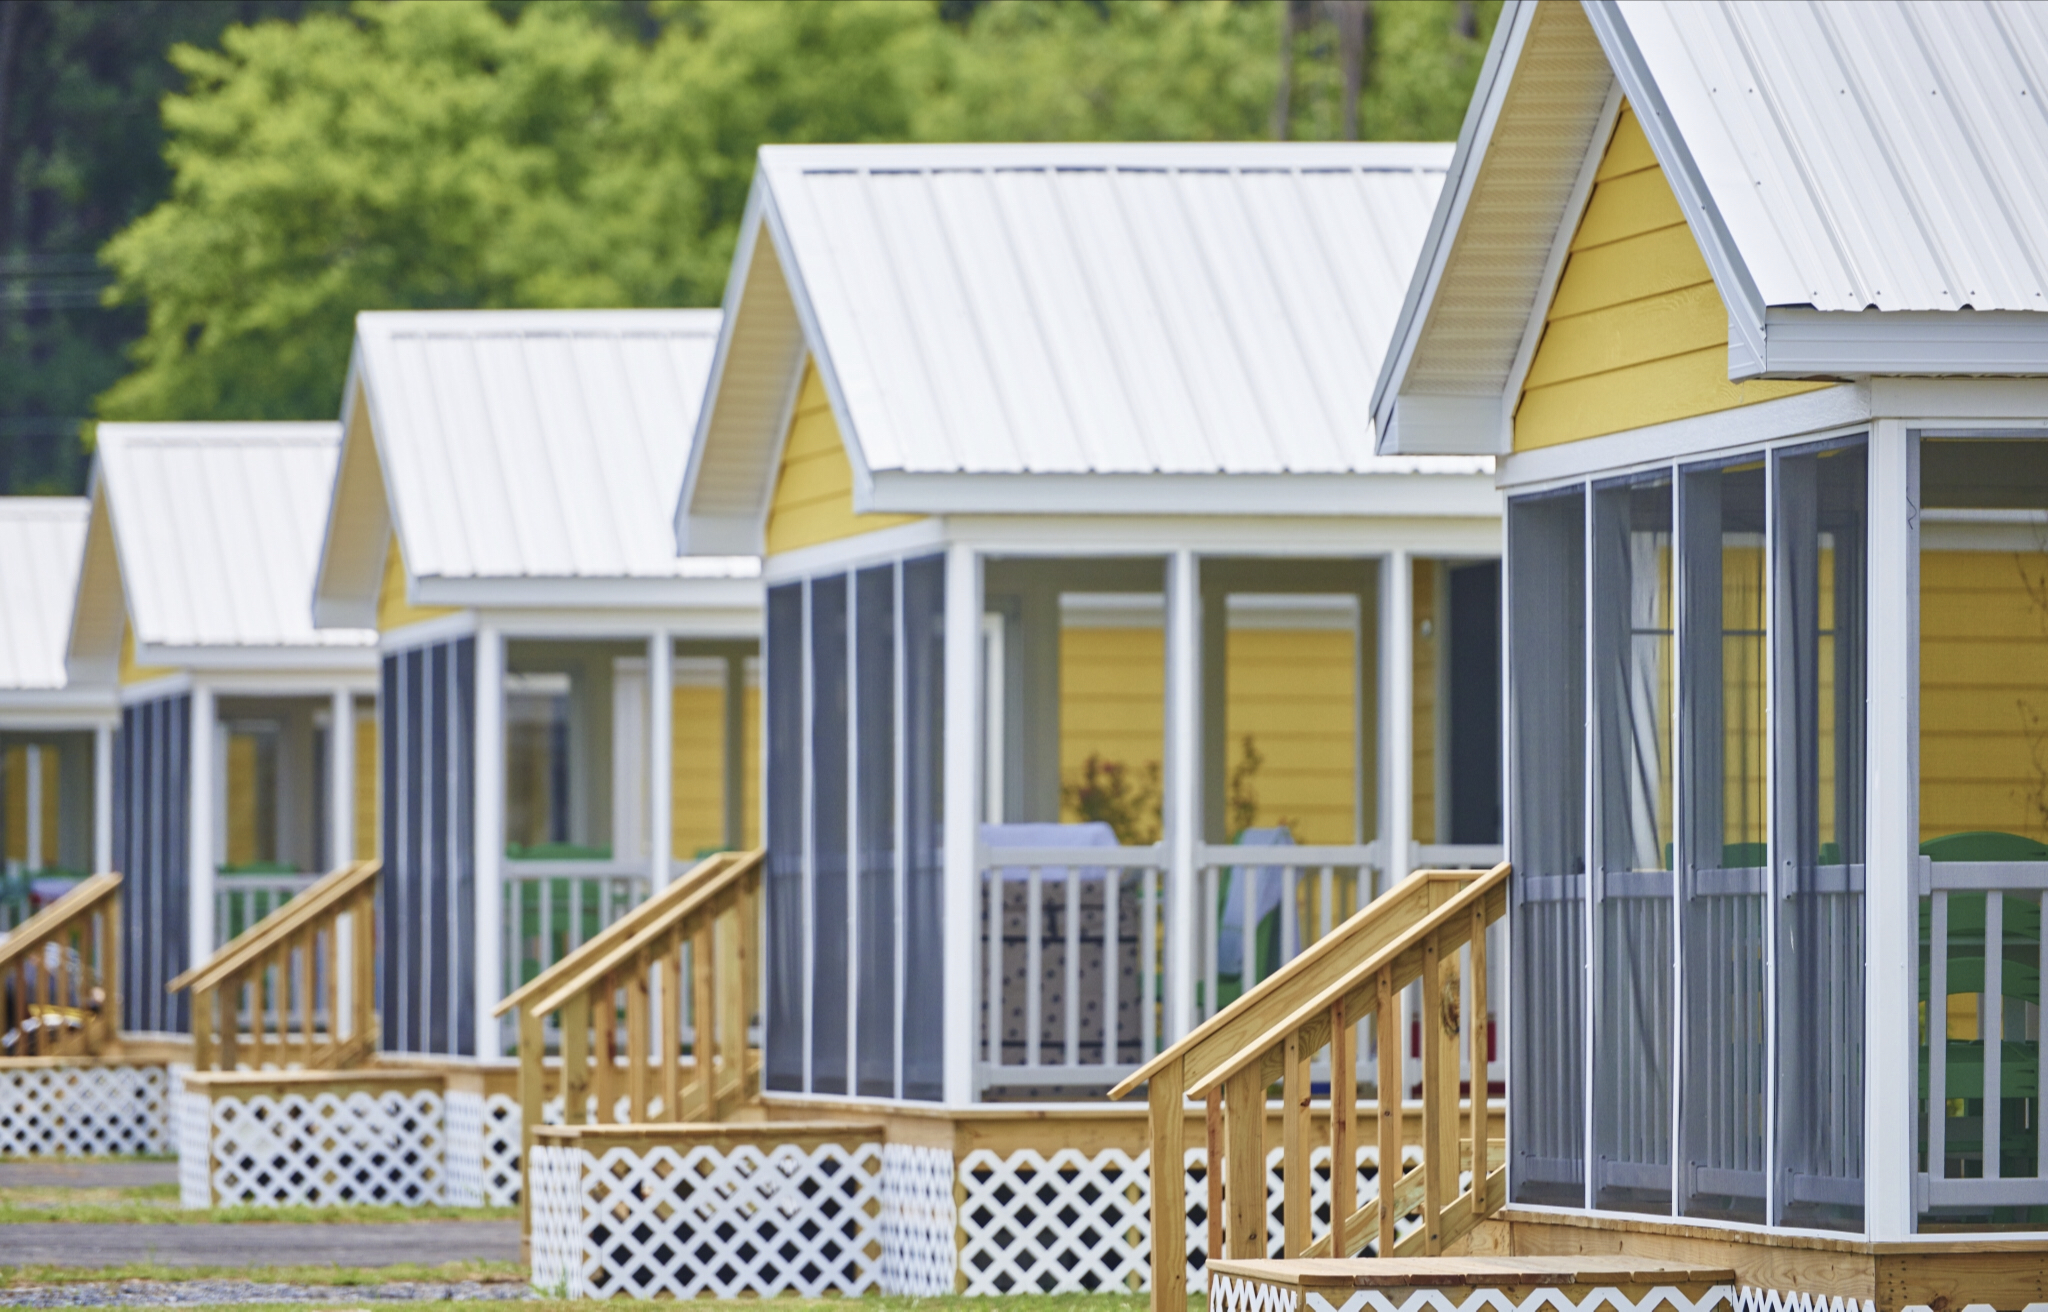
{"points": [[60, 976], [298, 988], [1414, 932], [619, 1002]]}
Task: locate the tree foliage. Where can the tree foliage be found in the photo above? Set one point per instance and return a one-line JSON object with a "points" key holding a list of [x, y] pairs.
{"points": [[466, 154]]}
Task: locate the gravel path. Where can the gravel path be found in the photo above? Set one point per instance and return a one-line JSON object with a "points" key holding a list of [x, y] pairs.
{"points": [[214, 1294], [255, 1244], [85, 1173]]}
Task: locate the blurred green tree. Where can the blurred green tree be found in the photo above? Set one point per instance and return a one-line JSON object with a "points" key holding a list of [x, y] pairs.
{"points": [[545, 154]]}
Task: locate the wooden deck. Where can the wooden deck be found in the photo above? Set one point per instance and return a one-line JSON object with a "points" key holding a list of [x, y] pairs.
{"points": [[1337, 1282]]}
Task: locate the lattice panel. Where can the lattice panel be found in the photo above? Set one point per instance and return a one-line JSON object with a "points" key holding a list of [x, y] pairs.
{"points": [[757, 1221], [1072, 1224], [558, 1220], [383, 1148], [1751, 1300], [464, 1160], [1065, 1223], [503, 1130], [84, 1111], [1235, 1295], [195, 1175], [918, 1220]]}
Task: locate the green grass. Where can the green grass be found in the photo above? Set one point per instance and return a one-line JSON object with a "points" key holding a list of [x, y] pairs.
{"points": [[308, 1275], [159, 1203]]}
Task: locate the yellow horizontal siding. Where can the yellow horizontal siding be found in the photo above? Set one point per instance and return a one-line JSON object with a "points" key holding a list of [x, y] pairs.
{"points": [[244, 845], [813, 501], [17, 806], [368, 839], [1294, 693], [1636, 333], [697, 769], [393, 610], [1983, 695], [697, 765], [1112, 705]]}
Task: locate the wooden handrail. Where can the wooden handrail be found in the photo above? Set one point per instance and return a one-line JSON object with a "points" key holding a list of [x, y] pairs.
{"points": [[713, 912], [600, 945], [334, 887], [76, 1007], [1412, 933], [293, 960]]}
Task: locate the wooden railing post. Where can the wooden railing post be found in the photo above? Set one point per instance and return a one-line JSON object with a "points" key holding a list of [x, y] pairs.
{"points": [[1388, 1013], [672, 1027], [1432, 1103], [1294, 1118], [1212, 1175], [1475, 1011], [1244, 1163], [575, 1059], [1169, 1187], [1343, 1113], [704, 991], [532, 1109]]}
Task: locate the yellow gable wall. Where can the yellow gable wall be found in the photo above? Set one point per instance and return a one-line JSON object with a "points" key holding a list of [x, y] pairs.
{"points": [[131, 673], [393, 610], [1637, 333], [813, 500]]}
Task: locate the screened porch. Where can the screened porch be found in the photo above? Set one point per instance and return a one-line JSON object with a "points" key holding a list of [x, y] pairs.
{"points": [[583, 775], [1128, 871]]}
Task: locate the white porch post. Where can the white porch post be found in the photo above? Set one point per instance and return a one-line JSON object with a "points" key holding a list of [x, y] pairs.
{"points": [[199, 827], [661, 653], [962, 766], [490, 834], [1183, 785], [1397, 715], [341, 779], [103, 798], [1892, 833]]}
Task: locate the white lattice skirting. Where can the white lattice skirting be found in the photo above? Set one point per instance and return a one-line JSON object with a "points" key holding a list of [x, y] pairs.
{"points": [[1238, 1296], [365, 1148], [759, 1220], [500, 1163], [84, 1110], [1070, 1223]]}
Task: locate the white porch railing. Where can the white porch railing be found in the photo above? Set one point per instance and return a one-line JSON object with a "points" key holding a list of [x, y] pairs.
{"points": [[240, 901], [1059, 1009], [552, 907], [1966, 1164]]}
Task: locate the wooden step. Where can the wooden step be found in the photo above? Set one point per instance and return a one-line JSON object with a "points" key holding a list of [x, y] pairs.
{"points": [[1337, 1283]]}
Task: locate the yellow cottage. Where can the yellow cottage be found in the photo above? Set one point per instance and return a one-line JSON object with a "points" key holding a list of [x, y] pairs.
{"points": [[501, 521], [56, 736], [1750, 304], [245, 761], [1106, 665]]}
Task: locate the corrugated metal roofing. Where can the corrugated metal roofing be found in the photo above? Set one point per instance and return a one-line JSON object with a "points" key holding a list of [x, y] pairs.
{"points": [[1106, 309], [541, 443], [1888, 154], [218, 528], [42, 547]]}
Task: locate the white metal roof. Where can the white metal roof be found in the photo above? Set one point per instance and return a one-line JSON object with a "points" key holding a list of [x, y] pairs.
{"points": [[1045, 328], [537, 444], [42, 545], [1884, 154], [1106, 309], [217, 531]]}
